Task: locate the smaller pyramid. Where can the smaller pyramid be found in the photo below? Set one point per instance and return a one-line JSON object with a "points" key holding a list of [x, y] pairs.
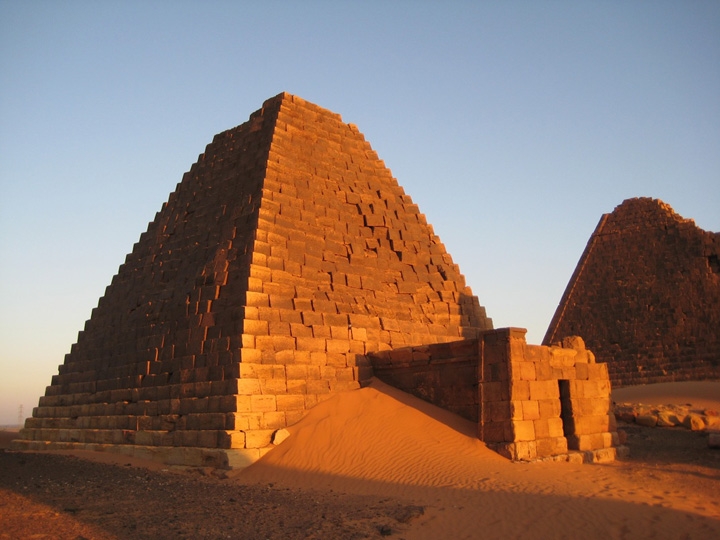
{"points": [[286, 255], [645, 296]]}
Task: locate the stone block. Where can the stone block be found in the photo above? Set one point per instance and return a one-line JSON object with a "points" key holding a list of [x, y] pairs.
{"points": [[497, 411], [542, 428], [523, 430], [251, 355], [340, 346], [549, 408], [290, 402], [310, 344], [273, 420], [581, 371], [592, 441], [257, 328], [551, 446], [490, 432], [555, 427], [587, 425], [297, 386], [248, 386], [714, 439], [338, 360], [519, 390], [598, 371], [299, 330], [208, 438], [318, 387], [525, 450], [694, 422], [256, 299], [604, 455], [231, 439], [273, 386], [541, 390], [493, 391], [591, 406], [258, 438], [648, 420], [296, 371], [263, 403], [530, 410], [527, 371]]}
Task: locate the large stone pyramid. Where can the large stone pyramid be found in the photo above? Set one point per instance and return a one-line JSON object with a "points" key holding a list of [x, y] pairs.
{"points": [[645, 296], [287, 253]]}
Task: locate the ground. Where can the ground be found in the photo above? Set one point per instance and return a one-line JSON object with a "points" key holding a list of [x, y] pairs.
{"points": [[65, 497], [60, 496]]}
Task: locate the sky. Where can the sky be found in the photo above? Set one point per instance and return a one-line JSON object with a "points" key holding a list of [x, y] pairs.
{"points": [[513, 125]]}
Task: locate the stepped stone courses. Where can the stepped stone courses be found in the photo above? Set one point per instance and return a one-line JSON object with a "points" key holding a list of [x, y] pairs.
{"points": [[645, 296], [286, 255]]}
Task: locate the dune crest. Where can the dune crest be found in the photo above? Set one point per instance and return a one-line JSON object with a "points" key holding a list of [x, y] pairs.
{"points": [[381, 434]]}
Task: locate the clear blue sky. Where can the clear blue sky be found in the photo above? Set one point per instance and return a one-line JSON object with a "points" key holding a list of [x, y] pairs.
{"points": [[513, 125]]}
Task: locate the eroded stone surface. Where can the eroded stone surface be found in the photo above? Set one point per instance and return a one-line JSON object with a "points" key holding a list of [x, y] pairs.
{"points": [[286, 255], [645, 296]]}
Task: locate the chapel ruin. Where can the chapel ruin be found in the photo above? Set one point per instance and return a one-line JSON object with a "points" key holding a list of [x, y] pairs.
{"points": [[645, 296], [280, 270]]}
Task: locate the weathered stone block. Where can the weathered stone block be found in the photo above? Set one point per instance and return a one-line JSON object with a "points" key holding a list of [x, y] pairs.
{"points": [[541, 390], [530, 410], [523, 430], [263, 403]]}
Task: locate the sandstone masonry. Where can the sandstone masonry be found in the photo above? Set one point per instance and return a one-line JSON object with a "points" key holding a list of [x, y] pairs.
{"points": [[287, 255], [530, 402], [645, 296]]}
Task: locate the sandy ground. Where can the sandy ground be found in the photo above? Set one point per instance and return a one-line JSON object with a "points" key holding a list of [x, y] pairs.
{"points": [[378, 462]]}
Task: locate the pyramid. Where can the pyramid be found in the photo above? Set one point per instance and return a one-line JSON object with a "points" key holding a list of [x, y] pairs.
{"points": [[285, 256], [645, 296]]}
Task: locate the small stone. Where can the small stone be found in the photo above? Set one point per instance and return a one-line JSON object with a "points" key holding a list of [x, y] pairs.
{"points": [[385, 530], [622, 436], [714, 439], [622, 452], [694, 422], [574, 342], [668, 419], [280, 435], [648, 420], [408, 513]]}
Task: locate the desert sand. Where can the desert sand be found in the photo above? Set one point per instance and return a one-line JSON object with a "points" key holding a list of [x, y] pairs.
{"points": [[379, 440], [378, 447]]}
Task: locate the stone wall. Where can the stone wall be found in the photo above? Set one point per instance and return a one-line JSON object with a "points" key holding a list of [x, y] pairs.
{"points": [[645, 296], [445, 374], [531, 402], [286, 255]]}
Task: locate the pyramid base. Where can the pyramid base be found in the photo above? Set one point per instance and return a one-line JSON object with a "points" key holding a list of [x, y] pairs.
{"points": [[184, 456], [599, 455]]}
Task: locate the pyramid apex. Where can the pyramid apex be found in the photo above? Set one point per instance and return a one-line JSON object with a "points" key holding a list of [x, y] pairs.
{"points": [[282, 96]]}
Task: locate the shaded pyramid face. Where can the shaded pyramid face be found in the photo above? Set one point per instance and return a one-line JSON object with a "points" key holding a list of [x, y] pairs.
{"points": [[286, 254], [645, 296]]}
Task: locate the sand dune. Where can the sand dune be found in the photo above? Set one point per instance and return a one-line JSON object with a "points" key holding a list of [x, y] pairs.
{"points": [[379, 440]]}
